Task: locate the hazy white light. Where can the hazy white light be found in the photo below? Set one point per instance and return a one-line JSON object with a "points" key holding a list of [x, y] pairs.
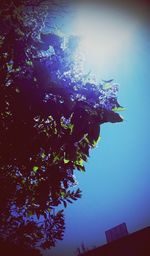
{"points": [[104, 38]]}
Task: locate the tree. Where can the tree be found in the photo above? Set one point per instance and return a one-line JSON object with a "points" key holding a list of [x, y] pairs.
{"points": [[43, 98]]}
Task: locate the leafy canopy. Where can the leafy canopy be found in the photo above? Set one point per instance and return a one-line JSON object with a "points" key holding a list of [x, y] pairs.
{"points": [[50, 117]]}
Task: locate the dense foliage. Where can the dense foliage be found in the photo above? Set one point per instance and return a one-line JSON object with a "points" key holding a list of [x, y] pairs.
{"points": [[50, 117]]}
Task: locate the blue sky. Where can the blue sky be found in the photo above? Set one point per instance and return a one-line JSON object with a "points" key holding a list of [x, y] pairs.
{"points": [[115, 187]]}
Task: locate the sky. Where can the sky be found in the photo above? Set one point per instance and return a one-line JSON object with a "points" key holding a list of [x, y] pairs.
{"points": [[115, 187]]}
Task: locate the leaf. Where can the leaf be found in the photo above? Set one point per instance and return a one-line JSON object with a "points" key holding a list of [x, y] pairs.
{"points": [[79, 162], [80, 168], [71, 179], [114, 117], [68, 200], [35, 168], [29, 63], [43, 155], [109, 116], [117, 109], [66, 161], [60, 213], [30, 213], [65, 204], [96, 141], [63, 194], [107, 85]]}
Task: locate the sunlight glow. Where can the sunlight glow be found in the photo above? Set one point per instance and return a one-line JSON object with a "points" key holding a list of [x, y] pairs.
{"points": [[104, 38]]}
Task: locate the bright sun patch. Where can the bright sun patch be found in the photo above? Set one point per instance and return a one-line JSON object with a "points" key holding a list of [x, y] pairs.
{"points": [[103, 39]]}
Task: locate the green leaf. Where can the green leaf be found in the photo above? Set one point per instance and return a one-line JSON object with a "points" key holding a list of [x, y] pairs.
{"points": [[117, 109], [23, 181], [29, 63], [66, 161], [79, 162], [107, 86], [63, 194], [43, 155], [35, 168], [96, 141]]}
